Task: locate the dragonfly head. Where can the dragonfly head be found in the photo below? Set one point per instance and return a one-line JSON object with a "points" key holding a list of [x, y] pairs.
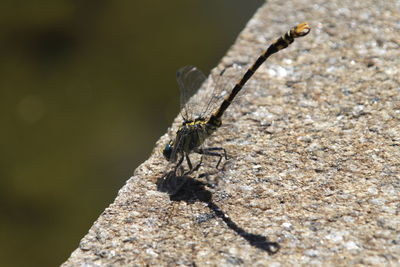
{"points": [[167, 152]]}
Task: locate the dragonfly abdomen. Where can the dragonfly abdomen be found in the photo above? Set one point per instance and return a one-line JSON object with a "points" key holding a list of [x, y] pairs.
{"points": [[281, 43]]}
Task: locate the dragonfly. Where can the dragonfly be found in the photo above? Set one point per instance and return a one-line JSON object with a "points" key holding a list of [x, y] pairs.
{"points": [[191, 135]]}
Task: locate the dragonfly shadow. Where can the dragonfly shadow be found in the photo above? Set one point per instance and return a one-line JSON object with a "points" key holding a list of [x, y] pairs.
{"points": [[190, 190], [183, 188]]}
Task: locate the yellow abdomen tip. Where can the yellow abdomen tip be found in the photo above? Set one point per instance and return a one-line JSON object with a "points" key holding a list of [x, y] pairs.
{"points": [[302, 29]]}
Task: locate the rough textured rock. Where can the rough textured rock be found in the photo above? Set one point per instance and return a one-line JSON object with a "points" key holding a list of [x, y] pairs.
{"points": [[314, 145]]}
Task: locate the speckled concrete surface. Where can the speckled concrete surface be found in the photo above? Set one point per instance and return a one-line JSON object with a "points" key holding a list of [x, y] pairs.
{"points": [[314, 145]]}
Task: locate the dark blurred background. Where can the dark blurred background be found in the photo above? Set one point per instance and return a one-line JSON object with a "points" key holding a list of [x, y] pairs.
{"points": [[86, 89]]}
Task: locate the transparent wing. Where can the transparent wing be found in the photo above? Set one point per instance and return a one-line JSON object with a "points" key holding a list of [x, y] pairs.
{"points": [[189, 79], [216, 95], [225, 80]]}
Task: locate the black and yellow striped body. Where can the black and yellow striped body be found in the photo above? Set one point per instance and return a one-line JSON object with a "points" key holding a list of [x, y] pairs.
{"points": [[191, 135], [281, 43]]}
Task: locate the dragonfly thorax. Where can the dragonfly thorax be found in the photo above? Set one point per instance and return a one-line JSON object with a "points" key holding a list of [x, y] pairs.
{"points": [[190, 135]]}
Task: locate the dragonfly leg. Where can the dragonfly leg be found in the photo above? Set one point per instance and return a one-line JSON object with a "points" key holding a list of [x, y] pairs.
{"points": [[178, 164], [195, 168], [188, 161], [199, 164], [209, 152]]}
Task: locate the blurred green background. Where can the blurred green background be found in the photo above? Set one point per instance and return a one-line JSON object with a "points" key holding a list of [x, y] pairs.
{"points": [[86, 89]]}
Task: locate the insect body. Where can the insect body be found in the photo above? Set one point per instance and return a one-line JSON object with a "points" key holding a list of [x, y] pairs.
{"points": [[192, 133]]}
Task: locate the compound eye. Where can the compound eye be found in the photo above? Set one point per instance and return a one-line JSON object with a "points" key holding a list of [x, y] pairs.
{"points": [[167, 151]]}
